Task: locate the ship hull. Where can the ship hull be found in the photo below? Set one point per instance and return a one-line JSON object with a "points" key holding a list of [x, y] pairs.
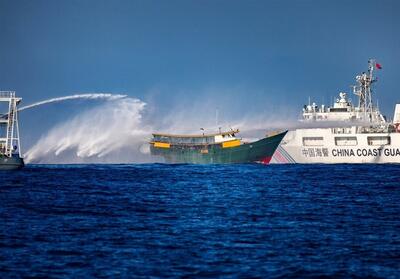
{"points": [[258, 151], [13, 163], [338, 148]]}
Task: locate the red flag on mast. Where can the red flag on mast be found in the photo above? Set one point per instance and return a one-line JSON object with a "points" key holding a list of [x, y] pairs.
{"points": [[378, 66]]}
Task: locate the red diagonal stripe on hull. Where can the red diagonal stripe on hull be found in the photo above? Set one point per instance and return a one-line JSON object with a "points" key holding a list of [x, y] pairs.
{"points": [[266, 160]]}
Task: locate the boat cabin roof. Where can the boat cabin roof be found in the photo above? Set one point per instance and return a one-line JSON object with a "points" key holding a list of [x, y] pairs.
{"points": [[196, 136]]}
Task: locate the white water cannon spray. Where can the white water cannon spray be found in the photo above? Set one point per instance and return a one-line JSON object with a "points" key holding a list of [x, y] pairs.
{"points": [[106, 96]]}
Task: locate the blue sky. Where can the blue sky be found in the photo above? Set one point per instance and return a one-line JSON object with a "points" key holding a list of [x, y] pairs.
{"points": [[247, 56]]}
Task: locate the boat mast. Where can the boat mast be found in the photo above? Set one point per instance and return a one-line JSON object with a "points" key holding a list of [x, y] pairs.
{"points": [[216, 117], [364, 90]]}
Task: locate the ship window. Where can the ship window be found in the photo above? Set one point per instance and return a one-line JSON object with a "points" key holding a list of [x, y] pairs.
{"points": [[338, 110], [346, 141], [3, 130], [161, 138], [341, 130], [313, 141], [185, 140], [385, 140]]}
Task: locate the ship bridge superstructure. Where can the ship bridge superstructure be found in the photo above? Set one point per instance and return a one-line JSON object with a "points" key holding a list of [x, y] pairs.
{"points": [[226, 138], [9, 128], [343, 109]]}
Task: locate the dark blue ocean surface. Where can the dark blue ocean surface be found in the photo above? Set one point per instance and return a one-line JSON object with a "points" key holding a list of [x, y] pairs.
{"points": [[165, 221]]}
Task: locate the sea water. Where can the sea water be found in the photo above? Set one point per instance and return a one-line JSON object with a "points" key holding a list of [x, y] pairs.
{"points": [[168, 221]]}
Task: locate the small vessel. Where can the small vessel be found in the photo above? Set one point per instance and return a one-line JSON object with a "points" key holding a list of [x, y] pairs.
{"points": [[344, 132], [218, 148], [10, 148]]}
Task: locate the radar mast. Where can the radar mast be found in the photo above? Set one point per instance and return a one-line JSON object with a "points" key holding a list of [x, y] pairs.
{"points": [[364, 90]]}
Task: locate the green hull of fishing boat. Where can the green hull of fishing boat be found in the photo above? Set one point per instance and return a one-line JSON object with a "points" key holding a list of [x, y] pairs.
{"points": [[219, 153]]}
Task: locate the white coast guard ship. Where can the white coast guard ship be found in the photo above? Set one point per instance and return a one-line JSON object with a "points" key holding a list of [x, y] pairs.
{"points": [[344, 133]]}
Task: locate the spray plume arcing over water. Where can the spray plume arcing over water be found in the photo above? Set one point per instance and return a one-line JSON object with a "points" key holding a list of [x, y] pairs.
{"points": [[105, 133], [106, 96], [118, 130]]}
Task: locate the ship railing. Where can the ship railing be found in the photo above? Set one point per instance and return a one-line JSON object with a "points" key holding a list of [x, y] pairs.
{"points": [[7, 94]]}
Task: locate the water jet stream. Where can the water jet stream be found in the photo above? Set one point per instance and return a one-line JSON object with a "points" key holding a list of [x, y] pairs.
{"points": [[107, 96]]}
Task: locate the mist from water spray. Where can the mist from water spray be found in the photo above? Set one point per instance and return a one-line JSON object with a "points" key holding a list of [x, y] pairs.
{"points": [[113, 132], [107, 96]]}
